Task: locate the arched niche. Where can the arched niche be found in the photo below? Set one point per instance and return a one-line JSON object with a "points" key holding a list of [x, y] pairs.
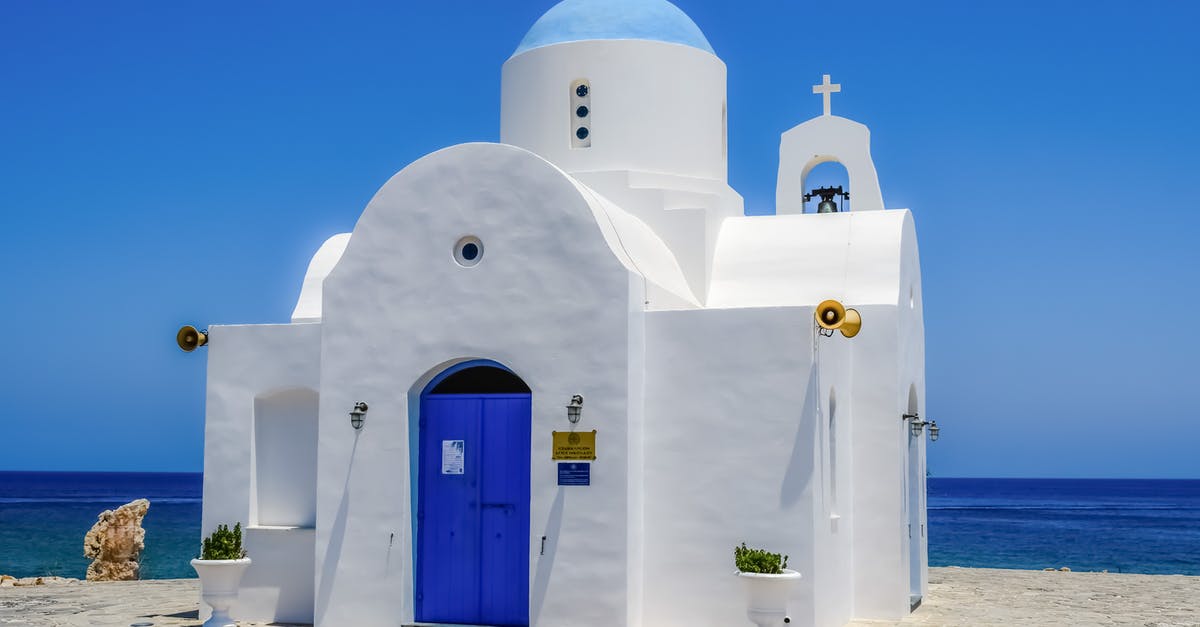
{"points": [[283, 480], [833, 451]]}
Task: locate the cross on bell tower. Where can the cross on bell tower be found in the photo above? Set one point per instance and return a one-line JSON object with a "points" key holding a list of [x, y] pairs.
{"points": [[825, 89]]}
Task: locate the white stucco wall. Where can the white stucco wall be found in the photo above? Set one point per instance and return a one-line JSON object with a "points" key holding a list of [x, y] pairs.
{"points": [[714, 424], [733, 452], [247, 365], [308, 304], [794, 260], [549, 299], [893, 347]]}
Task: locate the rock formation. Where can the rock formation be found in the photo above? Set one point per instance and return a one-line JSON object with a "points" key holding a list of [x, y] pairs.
{"points": [[115, 543]]}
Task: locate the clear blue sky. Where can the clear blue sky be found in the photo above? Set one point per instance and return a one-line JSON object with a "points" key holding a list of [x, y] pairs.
{"points": [[163, 163]]}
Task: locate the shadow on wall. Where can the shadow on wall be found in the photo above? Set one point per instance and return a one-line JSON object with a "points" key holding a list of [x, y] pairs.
{"points": [[337, 536], [798, 482], [541, 579], [799, 472]]}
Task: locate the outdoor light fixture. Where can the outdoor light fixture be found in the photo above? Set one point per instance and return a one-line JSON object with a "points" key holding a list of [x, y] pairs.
{"points": [[917, 425], [575, 408], [358, 415]]}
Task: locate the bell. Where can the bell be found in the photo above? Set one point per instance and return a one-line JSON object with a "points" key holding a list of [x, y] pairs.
{"points": [[827, 206]]}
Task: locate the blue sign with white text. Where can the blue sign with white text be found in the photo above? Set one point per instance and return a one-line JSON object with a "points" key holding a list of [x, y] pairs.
{"points": [[574, 473]]}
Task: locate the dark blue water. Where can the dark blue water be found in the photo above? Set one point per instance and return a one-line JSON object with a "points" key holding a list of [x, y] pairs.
{"points": [[1122, 525], [44, 517], [1141, 526]]}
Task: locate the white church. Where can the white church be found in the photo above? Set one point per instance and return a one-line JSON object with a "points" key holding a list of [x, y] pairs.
{"points": [[555, 380]]}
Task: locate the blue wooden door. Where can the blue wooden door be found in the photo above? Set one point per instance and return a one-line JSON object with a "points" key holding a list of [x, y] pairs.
{"points": [[473, 509]]}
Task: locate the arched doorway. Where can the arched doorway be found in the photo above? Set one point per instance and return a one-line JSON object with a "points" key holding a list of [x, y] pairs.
{"points": [[915, 503], [473, 498]]}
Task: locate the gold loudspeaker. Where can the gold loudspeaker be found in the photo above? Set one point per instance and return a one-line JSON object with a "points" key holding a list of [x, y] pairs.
{"points": [[831, 315], [189, 339], [852, 324]]}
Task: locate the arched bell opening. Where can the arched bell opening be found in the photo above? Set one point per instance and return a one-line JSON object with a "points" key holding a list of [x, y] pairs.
{"points": [[826, 186]]}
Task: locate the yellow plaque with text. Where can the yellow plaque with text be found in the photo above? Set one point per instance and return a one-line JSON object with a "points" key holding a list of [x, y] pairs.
{"points": [[574, 445]]}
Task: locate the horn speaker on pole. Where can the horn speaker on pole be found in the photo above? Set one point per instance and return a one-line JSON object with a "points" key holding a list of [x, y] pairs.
{"points": [[189, 338], [832, 315]]}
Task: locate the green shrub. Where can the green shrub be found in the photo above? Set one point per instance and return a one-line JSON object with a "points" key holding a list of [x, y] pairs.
{"points": [[758, 561], [223, 544]]}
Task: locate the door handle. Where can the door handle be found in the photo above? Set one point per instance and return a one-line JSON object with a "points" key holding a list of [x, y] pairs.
{"points": [[499, 505]]}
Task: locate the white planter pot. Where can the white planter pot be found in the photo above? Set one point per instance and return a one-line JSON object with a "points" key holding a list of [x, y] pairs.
{"points": [[219, 583], [767, 596]]}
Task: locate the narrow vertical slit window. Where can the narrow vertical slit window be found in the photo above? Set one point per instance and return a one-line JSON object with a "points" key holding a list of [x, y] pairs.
{"points": [[725, 131]]}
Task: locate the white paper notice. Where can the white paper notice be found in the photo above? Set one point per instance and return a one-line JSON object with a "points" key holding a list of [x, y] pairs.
{"points": [[452, 457]]}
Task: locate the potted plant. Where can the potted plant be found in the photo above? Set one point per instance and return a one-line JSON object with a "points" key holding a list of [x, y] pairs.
{"points": [[768, 583], [221, 564]]}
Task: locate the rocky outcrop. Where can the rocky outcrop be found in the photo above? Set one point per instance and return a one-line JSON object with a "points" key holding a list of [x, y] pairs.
{"points": [[115, 543]]}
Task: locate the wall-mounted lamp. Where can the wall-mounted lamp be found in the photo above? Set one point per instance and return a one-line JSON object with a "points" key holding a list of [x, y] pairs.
{"points": [[575, 409], [358, 415], [917, 426]]}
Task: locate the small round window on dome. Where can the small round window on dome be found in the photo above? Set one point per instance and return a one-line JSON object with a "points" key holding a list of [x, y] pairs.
{"points": [[468, 251], [581, 108]]}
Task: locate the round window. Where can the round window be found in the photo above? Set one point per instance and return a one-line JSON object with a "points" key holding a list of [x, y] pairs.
{"points": [[468, 251], [581, 132]]}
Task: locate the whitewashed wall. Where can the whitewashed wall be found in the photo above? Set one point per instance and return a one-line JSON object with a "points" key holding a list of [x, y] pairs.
{"points": [[249, 366], [732, 455], [888, 359], [550, 300]]}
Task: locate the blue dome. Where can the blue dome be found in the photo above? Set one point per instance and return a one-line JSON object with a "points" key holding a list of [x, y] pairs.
{"points": [[581, 20]]}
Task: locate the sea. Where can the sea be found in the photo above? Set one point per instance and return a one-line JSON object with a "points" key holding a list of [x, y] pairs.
{"points": [[1119, 525], [45, 515]]}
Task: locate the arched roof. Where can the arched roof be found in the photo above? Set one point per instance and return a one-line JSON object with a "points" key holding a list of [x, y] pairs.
{"points": [[582, 20]]}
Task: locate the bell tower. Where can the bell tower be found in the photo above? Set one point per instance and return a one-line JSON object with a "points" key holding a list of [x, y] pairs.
{"points": [[822, 139]]}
